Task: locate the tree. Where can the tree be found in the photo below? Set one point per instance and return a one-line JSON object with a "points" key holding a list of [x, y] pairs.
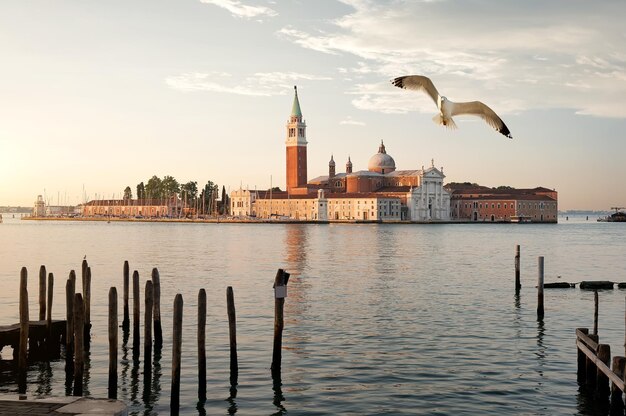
{"points": [[141, 191], [170, 186], [154, 188], [128, 193], [189, 192], [225, 209]]}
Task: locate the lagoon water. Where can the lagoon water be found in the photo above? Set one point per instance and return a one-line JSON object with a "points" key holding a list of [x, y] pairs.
{"points": [[379, 319]]}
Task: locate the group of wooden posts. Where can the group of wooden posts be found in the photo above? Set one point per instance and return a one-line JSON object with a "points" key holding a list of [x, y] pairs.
{"points": [[76, 329], [596, 371], [540, 280]]}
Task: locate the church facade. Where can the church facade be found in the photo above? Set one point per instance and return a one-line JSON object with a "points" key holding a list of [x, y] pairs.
{"points": [[380, 193]]}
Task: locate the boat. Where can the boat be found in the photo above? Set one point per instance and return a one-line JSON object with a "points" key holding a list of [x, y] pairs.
{"points": [[520, 219], [617, 216]]}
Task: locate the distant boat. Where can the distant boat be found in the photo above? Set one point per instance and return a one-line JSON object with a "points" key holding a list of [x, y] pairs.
{"points": [[520, 219], [618, 216]]}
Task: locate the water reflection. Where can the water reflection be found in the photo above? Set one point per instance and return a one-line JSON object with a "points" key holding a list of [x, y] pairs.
{"points": [[44, 379], [232, 404], [541, 349], [279, 398]]}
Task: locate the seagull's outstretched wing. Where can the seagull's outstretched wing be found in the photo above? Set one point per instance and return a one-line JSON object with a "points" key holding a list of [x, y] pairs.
{"points": [[419, 83], [476, 108]]}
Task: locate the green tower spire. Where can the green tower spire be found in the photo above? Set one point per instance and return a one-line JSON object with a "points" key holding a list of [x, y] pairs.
{"points": [[295, 110]]}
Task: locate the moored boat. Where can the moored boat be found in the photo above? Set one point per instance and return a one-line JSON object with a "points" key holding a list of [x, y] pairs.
{"points": [[617, 216]]}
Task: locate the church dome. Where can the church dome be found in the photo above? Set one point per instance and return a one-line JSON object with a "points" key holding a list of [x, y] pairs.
{"points": [[381, 162]]}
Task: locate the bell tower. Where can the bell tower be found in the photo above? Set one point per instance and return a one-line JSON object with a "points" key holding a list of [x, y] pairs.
{"points": [[296, 147]]}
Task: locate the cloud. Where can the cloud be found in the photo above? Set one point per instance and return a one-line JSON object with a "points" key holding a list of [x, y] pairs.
{"points": [[240, 10], [263, 84], [348, 121], [514, 56]]}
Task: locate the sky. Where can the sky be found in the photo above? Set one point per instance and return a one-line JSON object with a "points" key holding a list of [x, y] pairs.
{"points": [[99, 95]]}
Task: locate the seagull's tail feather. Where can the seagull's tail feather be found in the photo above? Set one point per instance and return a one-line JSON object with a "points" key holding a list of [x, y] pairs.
{"points": [[448, 122]]}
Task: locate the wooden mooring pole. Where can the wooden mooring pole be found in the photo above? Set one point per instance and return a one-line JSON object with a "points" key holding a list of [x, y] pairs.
{"points": [[70, 289], [113, 343], [42, 293], [52, 344], [158, 331], [23, 346], [616, 394], [595, 312], [202, 345], [602, 381], [280, 292], [518, 283], [540, 288], [79, 344], [126, 318], [147, 327], [232, 331], [87, 306], [582, 360], [177, 335], [136, 317]]}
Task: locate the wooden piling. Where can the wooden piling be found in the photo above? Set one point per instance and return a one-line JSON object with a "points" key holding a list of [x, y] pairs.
{"points": [[113, 343], [280, 283], [87, 306], [24, 319], [540, 311], [147, 325], [617, 366], [83, 274], [591, 368], [177, 335], [70, 289], [49, 310], [595, 312], [136, 340], [42, 293], [202, 345], [232, 331], [518, 283], [582, 360], [79, 344], [602, 381], [158, 331], [126, 319]]}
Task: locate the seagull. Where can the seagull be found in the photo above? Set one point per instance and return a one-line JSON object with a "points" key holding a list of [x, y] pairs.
{"points": [[448, 108]]}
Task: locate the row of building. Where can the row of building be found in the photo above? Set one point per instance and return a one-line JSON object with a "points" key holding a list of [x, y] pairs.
{"points": [[380, 193], [383, 193]]}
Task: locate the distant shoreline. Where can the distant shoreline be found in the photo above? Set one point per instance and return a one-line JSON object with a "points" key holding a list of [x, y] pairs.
{"points": [[261, 221]]}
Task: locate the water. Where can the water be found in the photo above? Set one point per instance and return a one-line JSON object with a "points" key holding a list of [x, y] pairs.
{"points": [[380, 319]]}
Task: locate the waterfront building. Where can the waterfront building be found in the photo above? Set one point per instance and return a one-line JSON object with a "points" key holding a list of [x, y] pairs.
{"points": [[479, 203], [379, 193], [40, 207], [134, 208]]}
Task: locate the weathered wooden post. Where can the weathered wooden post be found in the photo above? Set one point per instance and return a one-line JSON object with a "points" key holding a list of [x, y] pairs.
{"points": [[87, 306], [177, 335], [591, 368], [70, 289], [616, 394], [582, 360], [113, 343], [42, 293], [280, 293], [147, 327], [595, 312], [518, 283], [540, 289], [602, 383], [126, 319], [83, 273], [136, 340], [23, 347], [232, 331], [53, 344], [79, 344], [202, 345], [158, 331]]}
